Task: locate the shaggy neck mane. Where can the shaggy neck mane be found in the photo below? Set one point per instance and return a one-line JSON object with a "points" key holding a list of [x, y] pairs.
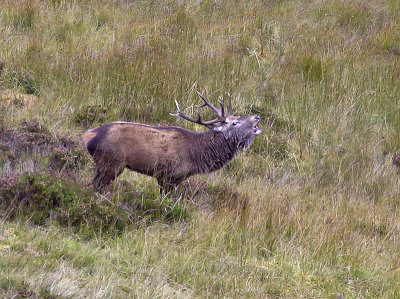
{"points": [[212, 151]]}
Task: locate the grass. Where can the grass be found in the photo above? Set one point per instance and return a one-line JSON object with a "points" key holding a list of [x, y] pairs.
{"points": [[310, 211]]}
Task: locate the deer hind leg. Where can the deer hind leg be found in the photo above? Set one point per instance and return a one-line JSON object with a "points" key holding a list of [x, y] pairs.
{"points": [[106, 173]]}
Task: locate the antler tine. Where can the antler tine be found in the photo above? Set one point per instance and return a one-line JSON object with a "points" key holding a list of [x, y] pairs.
{"points": [[181, 114], [230, 104], [219, 112], [222, 106], [198, 120]]}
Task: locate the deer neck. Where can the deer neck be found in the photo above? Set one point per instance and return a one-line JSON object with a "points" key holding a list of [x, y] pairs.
{"points": [[213, 151]]}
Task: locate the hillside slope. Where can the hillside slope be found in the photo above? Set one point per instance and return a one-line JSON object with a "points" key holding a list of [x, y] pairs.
{"points": [[310, 211]]}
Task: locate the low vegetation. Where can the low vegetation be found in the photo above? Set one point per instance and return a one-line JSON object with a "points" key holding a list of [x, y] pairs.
{"points": [[43, 197], [310, 211]]}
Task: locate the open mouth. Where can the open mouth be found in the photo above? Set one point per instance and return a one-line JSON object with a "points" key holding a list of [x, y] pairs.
{"points": [[256, 129]]}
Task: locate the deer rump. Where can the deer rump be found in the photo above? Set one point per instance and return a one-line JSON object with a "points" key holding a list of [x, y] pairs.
{"points": [[170, 154]]}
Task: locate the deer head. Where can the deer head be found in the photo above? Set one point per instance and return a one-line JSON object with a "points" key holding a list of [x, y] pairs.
{"points": [[241, 129]]}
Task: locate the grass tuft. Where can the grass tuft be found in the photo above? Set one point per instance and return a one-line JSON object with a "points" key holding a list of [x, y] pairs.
{"points": [[23, 81]]}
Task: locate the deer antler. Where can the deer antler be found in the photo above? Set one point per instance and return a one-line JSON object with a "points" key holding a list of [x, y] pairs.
{"points": [[229, 105], [220, 113]]}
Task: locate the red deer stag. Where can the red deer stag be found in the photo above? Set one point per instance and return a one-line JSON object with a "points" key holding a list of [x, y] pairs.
{"points": [[170, 154]]}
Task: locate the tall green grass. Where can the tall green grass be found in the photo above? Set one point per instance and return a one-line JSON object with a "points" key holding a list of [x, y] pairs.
{"points": [[311, 211]]}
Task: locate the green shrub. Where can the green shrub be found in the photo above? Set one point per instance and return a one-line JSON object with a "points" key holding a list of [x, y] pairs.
{"points": [[62, 158], [41, 197], [34, 140]]}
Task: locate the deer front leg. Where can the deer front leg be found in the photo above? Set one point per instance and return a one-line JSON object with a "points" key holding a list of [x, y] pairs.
{"points": [[106, 173], [169, 185]]}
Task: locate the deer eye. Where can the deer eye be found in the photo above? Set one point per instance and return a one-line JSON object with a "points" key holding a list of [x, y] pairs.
{"points": [[234, 123]]}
